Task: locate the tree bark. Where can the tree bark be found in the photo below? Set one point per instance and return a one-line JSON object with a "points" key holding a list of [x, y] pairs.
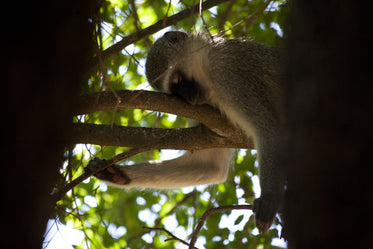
{"points": [[328, 135], [195, 138], [43, 51], [155, 101], [224, 134]]}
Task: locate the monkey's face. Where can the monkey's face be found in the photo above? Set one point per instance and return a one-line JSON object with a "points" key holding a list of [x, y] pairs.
{"points": [[163, 57]]}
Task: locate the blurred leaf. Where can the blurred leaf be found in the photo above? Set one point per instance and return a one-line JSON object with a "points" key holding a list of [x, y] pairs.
{"points": [[238, 220]]}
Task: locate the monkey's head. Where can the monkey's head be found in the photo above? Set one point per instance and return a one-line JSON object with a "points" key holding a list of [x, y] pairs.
{"points": [[168, 70], [163, 56]]}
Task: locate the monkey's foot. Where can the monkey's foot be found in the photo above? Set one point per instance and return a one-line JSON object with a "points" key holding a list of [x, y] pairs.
{"points": [[114, 175], [265, 210]]}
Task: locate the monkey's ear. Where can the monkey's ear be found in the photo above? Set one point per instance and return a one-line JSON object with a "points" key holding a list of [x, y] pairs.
{"points": [[175, 36]]}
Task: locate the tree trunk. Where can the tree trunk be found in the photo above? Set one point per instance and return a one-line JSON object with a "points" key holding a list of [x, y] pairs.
{"points": [[329, 126], [44, 45]]}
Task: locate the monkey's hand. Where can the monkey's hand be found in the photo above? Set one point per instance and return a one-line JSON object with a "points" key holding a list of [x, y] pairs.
{"points": [[112, 174], [265, 209]]}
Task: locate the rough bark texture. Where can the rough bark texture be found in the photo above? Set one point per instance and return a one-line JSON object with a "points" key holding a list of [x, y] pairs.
{"points": [[329, 129], [155, 101], [224, 134], [45, 45], [194, 138]]}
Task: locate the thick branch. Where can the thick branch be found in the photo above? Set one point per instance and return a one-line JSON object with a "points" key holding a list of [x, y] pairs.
{"points": [[155, 101], [168, 21], [193, 138]]}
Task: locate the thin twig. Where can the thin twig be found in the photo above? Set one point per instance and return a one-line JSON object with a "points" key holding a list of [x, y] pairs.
{"points": [[103, 68], [203, 21], [134, 14], [252, 17], [159, 220], [208, 213], [245, 231], [166, 15], [224, 17], [173, 237]]}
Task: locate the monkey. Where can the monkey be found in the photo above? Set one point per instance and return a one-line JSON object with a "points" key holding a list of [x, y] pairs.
{"points": [[240, 77]]}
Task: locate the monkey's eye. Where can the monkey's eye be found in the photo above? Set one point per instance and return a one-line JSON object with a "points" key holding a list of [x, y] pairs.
{"points": [[175, 36]]}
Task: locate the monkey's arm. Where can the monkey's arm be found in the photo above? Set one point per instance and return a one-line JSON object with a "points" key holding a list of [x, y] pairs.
{"points": [[200, 167]]}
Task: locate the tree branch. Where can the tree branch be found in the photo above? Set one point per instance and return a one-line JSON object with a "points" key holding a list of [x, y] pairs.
{"points": [[159, 220], [155, 101], [189, 139], [194, 138], [173, 237], [208, 213], [168, 21]]}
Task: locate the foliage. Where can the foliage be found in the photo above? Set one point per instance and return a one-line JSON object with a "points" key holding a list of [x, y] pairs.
{"points": [[115, 218]]}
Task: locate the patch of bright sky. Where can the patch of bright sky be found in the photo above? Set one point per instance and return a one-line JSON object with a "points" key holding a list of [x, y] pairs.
{"points": [[227, 221], [82, 148], [277, 27], [147, 238], [141, 67], [273, 25], [157, 207], [171, 223], [274, 6], [170, 154], [200, 242], [140, 200], [116, 232], [214, 10], [107, 38], [147, 216], [59, 236], [122, 70], [180, 232], [90, 200]]}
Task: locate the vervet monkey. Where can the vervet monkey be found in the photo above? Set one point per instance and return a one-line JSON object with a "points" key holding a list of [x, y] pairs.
{"points": [[240, 77]]}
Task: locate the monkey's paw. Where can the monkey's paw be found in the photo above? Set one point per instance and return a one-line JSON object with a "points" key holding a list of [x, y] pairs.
{"points": [[265, 210], [112, 174]]}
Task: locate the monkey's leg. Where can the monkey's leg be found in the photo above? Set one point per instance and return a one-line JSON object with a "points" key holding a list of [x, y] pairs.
{"points": [[200, 167], [271, 178]]}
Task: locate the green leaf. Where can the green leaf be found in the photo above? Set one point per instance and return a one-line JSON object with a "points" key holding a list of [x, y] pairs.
{"points": [[239, 219]]}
